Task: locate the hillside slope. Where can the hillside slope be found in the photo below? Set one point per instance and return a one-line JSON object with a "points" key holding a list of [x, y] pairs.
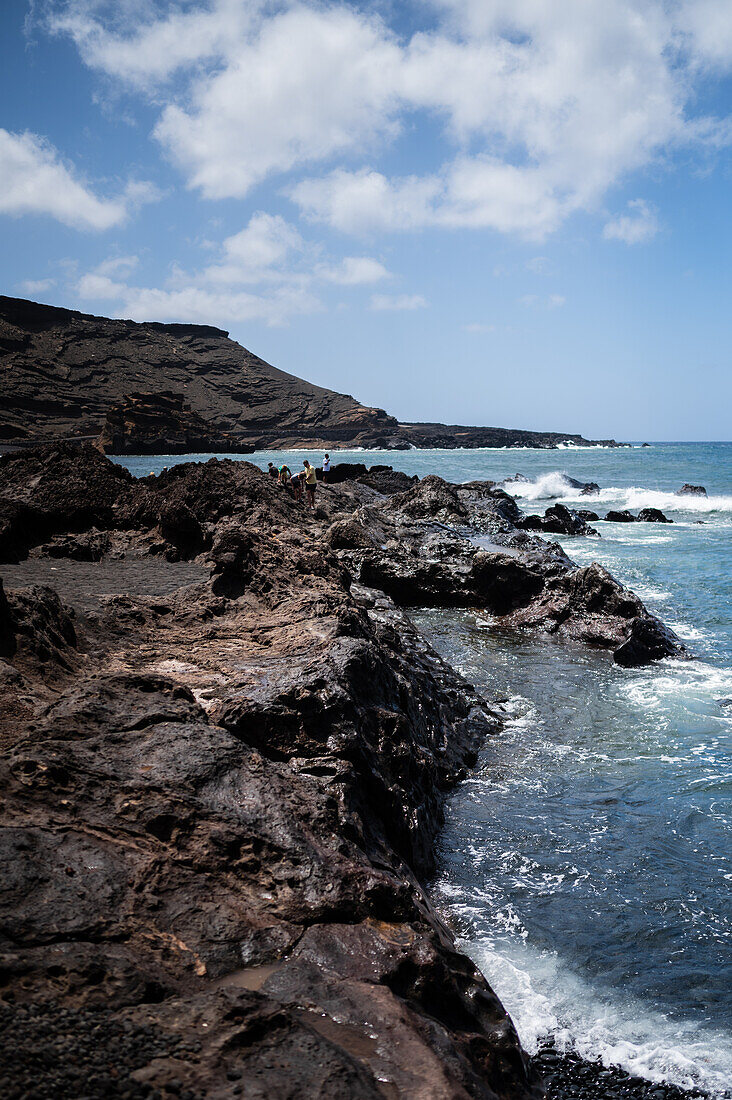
{"points": [[62, 371]]}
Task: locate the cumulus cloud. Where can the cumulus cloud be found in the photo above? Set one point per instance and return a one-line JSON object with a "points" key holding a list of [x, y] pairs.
{"points": [[539, 108], [397, 302], [281, 273], [35, 180], [638, 225], [311, 84]]}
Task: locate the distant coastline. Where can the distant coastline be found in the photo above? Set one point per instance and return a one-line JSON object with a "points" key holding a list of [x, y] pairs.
{"points": [[151, 388]]}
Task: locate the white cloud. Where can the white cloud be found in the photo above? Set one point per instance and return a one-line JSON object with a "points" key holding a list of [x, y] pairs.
{"points": [[269, 254], [259, 252], [128, 42], [355, 271], [34, 180], [397, 302], [635, 227], [539, 108], [478, 327], [708, 24], [309, 85], [36, 286]]}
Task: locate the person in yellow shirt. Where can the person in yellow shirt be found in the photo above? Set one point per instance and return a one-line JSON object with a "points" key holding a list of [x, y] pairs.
{"points": [[311, 482]]}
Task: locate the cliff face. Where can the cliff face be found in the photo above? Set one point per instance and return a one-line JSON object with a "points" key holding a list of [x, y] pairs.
{"points": [[61, 370], [162, 423]]}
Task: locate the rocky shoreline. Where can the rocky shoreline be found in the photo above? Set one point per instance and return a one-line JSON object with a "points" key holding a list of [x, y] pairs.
{"points": [[225, 753]]}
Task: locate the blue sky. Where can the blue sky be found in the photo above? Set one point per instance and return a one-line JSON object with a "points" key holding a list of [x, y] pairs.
{"points": [[508, 212]]}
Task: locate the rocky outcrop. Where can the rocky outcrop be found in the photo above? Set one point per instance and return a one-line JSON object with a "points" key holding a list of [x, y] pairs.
{"points": [[419, 561], [558, 520], [63, 373], [653, 515], [162, 424], [460, 435], [687, 490], [620, 517], [62, 370], [220, 803]]}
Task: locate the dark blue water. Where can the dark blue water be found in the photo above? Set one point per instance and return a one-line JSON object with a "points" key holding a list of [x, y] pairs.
{"points": [[587, 863]]}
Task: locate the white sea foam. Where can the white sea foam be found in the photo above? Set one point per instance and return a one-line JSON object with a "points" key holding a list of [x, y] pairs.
{"points": [[686, 684], [545, 998], [556, 486]]}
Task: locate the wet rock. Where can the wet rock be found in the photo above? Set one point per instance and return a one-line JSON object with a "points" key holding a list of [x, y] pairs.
{"points": [[653, 515], [557, 520], [620, 517], [649, 641], [687, 490], [587, 515]]}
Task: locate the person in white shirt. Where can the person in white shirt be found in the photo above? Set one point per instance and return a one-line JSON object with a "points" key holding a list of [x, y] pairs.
{"points": [[326, 466]]}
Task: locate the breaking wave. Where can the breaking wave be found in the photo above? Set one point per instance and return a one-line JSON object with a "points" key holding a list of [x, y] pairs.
{"points": [[557, 485], [545, 998]]}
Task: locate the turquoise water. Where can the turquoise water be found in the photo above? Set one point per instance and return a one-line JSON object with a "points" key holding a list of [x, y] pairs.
{"points": [[587, 862]]}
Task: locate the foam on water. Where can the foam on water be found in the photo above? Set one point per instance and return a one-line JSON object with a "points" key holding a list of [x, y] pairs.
{"points": [[556, 486], [545, 998]]}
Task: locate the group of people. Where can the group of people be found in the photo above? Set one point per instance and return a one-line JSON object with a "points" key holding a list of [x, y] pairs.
{"points": [[305, 479]]}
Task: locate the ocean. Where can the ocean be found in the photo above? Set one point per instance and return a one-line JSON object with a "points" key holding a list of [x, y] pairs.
{"points": [[586, 864]]}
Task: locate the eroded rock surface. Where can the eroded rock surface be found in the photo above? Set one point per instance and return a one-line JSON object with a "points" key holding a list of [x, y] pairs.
{"points": [[220, 800], [162, 423]]}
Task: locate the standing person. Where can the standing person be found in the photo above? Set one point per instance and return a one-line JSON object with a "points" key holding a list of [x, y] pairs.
{"points": [[326, 467], [311, 482], [271, 469]]}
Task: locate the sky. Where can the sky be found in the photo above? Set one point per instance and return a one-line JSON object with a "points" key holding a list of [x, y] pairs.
{"points": [[499, 212]]}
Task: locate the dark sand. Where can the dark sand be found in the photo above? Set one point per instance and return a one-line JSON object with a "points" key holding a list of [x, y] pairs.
{"points": [[84, 584]]}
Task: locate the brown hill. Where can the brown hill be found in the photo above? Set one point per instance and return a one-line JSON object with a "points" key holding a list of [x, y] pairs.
{"points": [[62, 371]]}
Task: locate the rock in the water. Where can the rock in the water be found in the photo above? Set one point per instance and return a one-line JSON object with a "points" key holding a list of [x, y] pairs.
{"points": [[587, 515], [620, 517], [558, 520], [691, 491], [649, 641], [653, 515]]}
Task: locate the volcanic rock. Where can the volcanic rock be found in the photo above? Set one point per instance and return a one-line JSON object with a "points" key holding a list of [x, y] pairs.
{"points": [[162, 423], [691, 491], [63, 372], [653, 515], [558, 520], [620, 517], [219, 806]]}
